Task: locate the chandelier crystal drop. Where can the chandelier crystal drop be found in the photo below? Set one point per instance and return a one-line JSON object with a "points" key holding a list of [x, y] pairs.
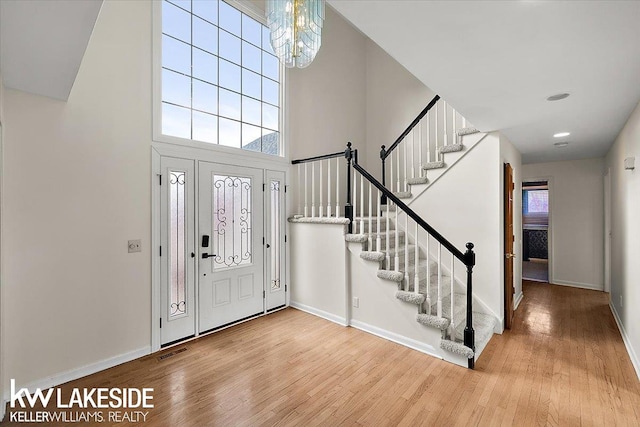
{"points": [[296, 30]]}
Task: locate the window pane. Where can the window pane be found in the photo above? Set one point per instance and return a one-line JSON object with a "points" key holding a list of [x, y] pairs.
{"points": [[269, 116], [250, 84], [205, 127], [229, 133], [538, 201], [176, 121], [270, 66], [229, 47], [251, 138], [176, 22], [232, 220], [230, 18], [276, 220], [205, 66], [270, 142], [205, 97], [251, 30], [206, 10], [176, 88], [251, 111], [229, 76], [270, 91], [176, 55], [185, 4], [205, 35], [250, 57], [229, 104]]}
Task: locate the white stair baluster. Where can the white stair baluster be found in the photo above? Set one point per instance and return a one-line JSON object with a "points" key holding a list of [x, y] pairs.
{"points": [[439, 280], [313, 190], [300, 189], [406, 251], [362, 205], [390, 181], [428, 137], [413, 157], [405, 165], [436, 138], [398, 170], [452, 325], [329, 188], [378, 219], [306, 191], [338, 187], [453, 126], [321, 204], [444, 124], [370, 242], [396, 261], [416, 271], [354, 198], [428, 301], [388, 243], [420, 148]]}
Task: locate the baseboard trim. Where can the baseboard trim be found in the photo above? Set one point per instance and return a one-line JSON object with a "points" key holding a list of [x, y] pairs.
{"points": [[320, 313], [625, 338], [518, 301], [83, 371], [580, 285], [396, 338]]}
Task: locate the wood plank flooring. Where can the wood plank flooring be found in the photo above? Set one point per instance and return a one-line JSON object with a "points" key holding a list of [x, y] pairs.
{"points": [[563, 363]]}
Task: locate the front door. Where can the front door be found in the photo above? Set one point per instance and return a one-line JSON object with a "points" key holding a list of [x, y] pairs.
{"points": [[177, 262], [231, 244], [509, 237]]}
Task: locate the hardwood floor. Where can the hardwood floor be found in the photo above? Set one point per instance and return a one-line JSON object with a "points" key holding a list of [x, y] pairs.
{"points": [[563, 363]]}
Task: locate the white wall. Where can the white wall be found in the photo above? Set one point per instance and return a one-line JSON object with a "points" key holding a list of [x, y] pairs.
{"points": [[2, 322], [509, 154], [77, 188], [625, 252], [394, 98], [464, 205], [576, 199], [318, 270]]}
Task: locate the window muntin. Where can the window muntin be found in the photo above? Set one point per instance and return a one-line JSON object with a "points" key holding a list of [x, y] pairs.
{"points": [[220, 77]]}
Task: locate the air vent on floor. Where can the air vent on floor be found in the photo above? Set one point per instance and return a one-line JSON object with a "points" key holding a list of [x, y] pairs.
{"points": [[171, 353]]}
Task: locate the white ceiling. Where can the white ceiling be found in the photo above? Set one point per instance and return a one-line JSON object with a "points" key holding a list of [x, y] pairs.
{"points": [[496, 62], [42, 43]]}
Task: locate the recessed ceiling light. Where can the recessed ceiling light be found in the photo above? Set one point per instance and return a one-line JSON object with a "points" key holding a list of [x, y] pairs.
{"points": [[561, 144], [558, 97], [561, 134]]}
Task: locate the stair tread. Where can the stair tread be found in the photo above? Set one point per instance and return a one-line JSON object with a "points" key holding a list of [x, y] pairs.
{"points": [[433, 165], [452, 148]]}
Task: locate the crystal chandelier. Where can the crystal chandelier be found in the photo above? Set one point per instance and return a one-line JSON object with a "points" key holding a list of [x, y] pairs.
{"points": [[296, 29]]}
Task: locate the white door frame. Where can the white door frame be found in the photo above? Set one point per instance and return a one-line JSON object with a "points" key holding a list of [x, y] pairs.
{"points": [[607, 231], [159, 149]]}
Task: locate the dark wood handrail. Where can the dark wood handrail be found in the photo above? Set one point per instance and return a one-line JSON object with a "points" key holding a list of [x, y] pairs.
{"points": [[466, 260], [386, 152], [316, 158]]}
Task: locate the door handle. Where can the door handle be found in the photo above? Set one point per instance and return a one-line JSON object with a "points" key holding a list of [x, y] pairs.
{"points": [[510, 255], [206, 255]]}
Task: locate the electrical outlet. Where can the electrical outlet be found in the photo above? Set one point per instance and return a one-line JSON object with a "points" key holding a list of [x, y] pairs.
{"points": [[356, 302], [134, 246]]}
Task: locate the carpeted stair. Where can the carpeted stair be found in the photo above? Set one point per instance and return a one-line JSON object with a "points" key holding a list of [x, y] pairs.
{"points": [[427, 308]]}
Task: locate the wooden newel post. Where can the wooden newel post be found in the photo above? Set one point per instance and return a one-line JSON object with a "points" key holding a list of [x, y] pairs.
{"points": [[469, 333], [348, 207], [383, 157]]}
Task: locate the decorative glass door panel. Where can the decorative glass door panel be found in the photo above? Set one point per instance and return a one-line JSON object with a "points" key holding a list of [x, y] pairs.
{"points": [[177, 241], [232, 241], [275, 195], [231, 261]]}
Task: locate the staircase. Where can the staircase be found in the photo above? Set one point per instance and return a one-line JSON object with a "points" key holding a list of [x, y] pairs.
{"points": [[387, 234]]}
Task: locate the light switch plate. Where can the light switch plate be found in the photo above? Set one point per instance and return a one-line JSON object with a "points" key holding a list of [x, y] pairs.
{"points": [[135, 246]]}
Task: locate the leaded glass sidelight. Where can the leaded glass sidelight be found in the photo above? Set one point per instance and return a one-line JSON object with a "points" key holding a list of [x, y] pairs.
{"points": [[232, 242], [177, 243], [276, 244]]}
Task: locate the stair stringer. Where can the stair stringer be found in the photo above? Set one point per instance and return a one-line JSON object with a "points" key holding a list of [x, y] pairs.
{"points": [[450, 159], [460, 286], [380, 313]]}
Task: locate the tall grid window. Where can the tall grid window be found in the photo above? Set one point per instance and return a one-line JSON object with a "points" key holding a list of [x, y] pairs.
{"points": [[220, 77]]}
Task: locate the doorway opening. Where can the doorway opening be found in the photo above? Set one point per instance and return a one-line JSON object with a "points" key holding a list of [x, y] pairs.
{"points": [[535, 231]]}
